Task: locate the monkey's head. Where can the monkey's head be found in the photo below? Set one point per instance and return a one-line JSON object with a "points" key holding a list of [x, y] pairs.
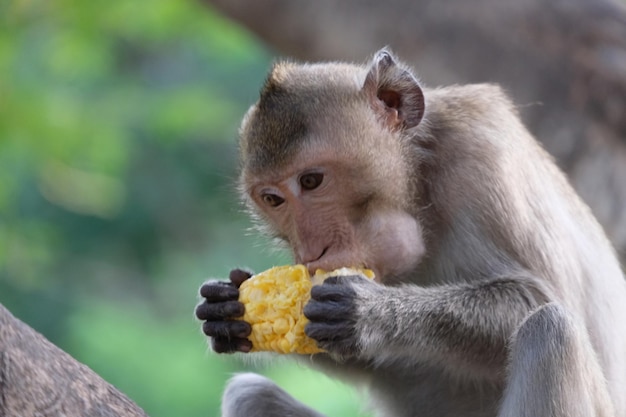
{"points": [[327, 163]]}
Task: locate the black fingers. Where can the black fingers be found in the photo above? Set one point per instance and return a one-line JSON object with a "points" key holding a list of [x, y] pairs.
{"points": [[331, 302], [219, 291], [329, 332], [227, 335], [231, 329], [238, 276], [221, 301], [328, 311], [231, 345], [332, 311], [333, 290], [337, 337], [219, 310]]}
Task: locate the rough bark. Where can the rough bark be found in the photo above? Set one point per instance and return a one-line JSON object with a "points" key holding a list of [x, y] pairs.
{"points": [[563, 62], [37, 379]]}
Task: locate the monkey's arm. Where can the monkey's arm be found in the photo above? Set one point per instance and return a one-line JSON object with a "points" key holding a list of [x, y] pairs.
{"points": [[462, 327]]}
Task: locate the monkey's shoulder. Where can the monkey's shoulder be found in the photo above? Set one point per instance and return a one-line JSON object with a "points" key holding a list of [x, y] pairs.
{"points": [[481, 111], [474, 101]]}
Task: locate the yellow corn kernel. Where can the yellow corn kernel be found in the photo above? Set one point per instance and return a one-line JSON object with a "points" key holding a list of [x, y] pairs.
{"points": [[274, 301]]}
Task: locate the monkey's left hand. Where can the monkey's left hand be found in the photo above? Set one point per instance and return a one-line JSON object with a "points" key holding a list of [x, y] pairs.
{"points": [[333, 314]]}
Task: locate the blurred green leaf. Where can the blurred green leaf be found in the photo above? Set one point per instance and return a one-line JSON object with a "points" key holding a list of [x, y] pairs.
{"points": [[117, 169]]}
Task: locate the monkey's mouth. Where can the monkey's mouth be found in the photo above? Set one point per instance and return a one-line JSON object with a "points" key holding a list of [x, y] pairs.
{"points": [[329, 261]]}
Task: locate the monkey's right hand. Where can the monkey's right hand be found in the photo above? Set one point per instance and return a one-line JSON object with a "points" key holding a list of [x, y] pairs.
{"points": [[220, 309]]}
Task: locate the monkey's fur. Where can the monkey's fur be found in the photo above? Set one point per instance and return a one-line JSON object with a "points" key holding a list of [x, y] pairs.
{"points": [[497, 293]]}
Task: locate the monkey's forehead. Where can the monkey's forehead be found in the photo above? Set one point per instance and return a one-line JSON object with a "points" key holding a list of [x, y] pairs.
{"points": [[296, 102], [272, 137]]}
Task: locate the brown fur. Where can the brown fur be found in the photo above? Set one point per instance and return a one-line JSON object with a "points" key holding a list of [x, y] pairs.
{"points": [[497, 292]]}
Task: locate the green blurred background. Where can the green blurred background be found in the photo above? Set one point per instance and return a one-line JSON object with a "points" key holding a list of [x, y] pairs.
{"points": [[118, 124]]}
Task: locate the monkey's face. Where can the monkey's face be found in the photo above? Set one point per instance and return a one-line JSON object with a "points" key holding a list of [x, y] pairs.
{"points": [[326, 162], [332, 215]]}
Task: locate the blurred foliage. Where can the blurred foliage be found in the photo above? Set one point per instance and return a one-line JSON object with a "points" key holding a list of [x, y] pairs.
{"points": [[117, 158]]}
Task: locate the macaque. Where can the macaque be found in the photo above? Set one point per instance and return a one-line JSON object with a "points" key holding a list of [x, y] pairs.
{"points": [[496, 291]]}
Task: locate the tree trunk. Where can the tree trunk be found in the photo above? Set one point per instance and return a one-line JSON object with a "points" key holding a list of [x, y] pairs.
{"points": [[37, 379], [563, 62]]}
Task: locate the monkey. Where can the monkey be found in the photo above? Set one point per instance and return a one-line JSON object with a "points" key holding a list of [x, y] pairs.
{"points": [[496, 292]]}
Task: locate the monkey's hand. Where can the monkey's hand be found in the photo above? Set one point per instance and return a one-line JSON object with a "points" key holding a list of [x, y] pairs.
{"points": [[220, 309], [333, 314]]}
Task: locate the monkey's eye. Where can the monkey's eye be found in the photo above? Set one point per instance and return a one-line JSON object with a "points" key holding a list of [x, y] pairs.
{"points": [[311, 181], [272, 200]]}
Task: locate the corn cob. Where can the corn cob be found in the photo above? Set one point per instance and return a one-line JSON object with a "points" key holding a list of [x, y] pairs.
{"points": [[274, 301]]}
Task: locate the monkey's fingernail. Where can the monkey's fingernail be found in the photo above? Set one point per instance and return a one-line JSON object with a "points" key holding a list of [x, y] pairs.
{"points": [[242, 329], [245, 346]]}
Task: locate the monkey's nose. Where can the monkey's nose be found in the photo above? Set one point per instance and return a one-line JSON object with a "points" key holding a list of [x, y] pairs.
{"points": [[306, 257], [311, 260]]}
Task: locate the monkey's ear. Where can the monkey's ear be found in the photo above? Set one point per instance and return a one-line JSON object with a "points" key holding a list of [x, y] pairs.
{"points": [[393, 92]]}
